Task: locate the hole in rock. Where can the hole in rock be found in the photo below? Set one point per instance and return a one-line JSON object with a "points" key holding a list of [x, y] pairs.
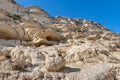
{"points": [[8, 56], [49, 38]]}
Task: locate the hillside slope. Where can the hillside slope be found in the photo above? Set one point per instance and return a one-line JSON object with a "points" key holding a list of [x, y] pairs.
{"points": [[36, 46]]}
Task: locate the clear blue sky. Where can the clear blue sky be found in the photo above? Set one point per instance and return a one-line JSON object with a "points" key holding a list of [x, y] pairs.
{"points": [[106, 12]]}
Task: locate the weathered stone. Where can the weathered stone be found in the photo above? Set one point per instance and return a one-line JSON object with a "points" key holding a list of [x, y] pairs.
{"points": [[35, 46], [38, 75], [33, 33], [10, 42], [6, 65], [7, 32], [54, 62], [4, 17], [94, 37]]}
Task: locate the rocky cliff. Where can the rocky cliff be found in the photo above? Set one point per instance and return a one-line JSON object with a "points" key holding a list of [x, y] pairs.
{"points": [[36, 46]]}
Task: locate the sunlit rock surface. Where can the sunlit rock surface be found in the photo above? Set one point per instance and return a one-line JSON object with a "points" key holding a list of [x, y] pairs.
{"points": [[36, 46]]}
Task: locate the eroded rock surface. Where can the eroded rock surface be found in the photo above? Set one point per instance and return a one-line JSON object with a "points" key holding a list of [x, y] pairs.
{"points": [[35, 46], [54, 62]]}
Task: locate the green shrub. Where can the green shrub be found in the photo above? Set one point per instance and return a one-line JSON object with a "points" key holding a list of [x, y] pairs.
{"points": [[14, 16]]}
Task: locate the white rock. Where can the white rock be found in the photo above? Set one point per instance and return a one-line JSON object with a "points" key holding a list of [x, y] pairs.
{"points": [[54, 62]]}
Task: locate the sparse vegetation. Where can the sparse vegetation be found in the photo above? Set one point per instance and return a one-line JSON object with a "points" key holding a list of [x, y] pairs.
{"points": [[14, 16], [13, 1]]}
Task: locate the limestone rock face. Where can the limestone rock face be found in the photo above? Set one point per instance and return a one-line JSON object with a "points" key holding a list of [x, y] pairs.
{"points": [[31, 24], [6, 65], [35, 46], [29, 32], [39, 14], [10, 6], [4, 17], [42, 37], [7, 32], [9, 42]]}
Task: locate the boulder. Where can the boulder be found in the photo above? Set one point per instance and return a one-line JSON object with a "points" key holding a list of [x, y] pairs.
{"points": [[54, 62]]}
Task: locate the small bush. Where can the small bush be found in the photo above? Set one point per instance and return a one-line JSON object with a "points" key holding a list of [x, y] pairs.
{"points": [[14, 16]]}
